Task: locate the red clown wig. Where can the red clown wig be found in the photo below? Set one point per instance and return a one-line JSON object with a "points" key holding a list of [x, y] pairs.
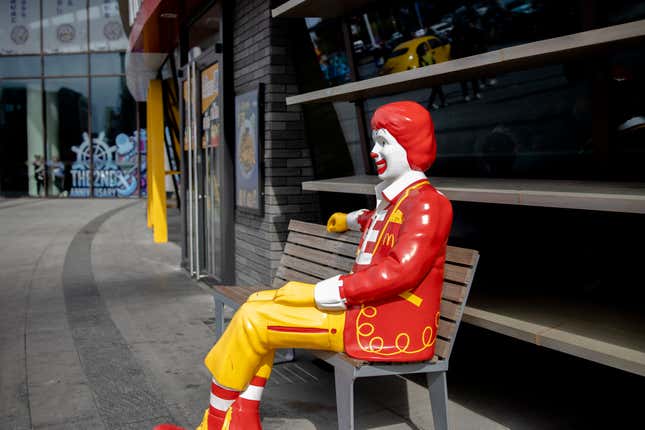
{"points": [[412, 127]]}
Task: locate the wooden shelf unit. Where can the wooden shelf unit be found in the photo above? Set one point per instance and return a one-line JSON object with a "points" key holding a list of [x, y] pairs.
{"points": [[315, 8], [602, 335], [591, 332], [600, 196], [518, 57]]}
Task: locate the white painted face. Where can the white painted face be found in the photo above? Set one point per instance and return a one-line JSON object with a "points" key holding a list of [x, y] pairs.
{"points": [[390, 157]]}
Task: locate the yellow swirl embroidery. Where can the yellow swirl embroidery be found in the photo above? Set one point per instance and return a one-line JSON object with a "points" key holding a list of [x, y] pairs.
{"points": [[376, 344]]}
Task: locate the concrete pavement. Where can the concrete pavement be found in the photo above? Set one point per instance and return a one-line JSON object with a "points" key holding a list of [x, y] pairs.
{"points": [[101, 329]]}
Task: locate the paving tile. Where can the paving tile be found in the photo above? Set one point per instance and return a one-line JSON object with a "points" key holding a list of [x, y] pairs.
{"points": [[60, 367], [82, 423], [60, 402]]}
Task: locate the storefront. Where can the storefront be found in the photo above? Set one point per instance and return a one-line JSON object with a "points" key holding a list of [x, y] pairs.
{"points": [[236, 135], [539, 115], [67, 119]]}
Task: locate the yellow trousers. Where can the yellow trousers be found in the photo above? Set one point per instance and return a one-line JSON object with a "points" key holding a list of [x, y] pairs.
{"points": [[260, 327]]}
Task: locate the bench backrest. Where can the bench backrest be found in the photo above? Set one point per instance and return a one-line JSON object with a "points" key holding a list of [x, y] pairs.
{"points": [[312, 254]]}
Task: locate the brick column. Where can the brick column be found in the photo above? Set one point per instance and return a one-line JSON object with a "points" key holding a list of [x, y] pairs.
{"points": [[261, 54]]}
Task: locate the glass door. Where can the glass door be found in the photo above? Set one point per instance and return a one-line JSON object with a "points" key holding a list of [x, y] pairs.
{"points": [[193, 158], [210, 145]]}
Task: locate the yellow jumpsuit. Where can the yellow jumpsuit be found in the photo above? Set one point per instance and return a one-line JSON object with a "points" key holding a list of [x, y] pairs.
{"points": [[267, 322]]}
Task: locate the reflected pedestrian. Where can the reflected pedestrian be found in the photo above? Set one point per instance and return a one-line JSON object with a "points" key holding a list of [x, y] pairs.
{"points": [[465, 35], [426, 58], [58, 173], [39, 173]]}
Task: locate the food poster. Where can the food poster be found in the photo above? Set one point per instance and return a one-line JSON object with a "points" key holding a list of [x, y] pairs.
{"points": [[247, 149], [20, 29], [210, 107]]}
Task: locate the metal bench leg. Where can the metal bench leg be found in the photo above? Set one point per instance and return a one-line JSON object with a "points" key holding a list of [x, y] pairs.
{"points": [[439, 399], [344, 377], [219, 318], [284, 356]]}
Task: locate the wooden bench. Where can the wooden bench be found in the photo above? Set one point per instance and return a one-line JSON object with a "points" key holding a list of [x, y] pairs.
{"points": [[312, 254]]}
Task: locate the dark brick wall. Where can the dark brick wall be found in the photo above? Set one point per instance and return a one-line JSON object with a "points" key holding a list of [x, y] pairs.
{"points": [[261, 54]]}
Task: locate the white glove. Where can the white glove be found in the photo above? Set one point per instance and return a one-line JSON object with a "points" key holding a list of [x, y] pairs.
{"points": [[327, 295]]}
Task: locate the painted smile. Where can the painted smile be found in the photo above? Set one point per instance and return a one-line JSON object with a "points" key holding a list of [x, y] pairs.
{"points": [[381, 166]]}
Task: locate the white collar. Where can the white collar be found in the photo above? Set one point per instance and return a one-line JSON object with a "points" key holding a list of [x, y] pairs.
{"points": [[387, 191]]}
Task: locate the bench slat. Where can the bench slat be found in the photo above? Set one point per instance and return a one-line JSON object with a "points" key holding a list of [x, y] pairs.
{"points": [[453, 292], [293, 275], [309, 267], [238, 294], [320, 257], [464, 256], [329, 245], [457, 274], [450, 310], [442, 348], [453, 254], [321, 231], [447, 329]]}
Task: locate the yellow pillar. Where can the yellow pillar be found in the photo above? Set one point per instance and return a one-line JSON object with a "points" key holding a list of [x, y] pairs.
{"points": [[148, 168], [156, 170]]}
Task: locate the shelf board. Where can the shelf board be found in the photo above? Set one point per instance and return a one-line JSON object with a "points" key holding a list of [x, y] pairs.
{"points": [[518, 57], [316, 8], [589, 195], [600, 334]]}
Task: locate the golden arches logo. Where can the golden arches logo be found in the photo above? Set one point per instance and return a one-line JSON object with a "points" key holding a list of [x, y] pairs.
{"points": [[388, 240]]}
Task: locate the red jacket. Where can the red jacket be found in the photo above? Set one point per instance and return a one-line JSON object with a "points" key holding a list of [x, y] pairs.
{"points": [[393, 301]]}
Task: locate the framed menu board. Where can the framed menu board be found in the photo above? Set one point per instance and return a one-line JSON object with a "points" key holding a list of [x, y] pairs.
{"points": [[249, 169]]}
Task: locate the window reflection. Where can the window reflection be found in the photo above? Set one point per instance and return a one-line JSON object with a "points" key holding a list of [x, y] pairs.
{"points": [[108, 64], [62, 65], [21, 153], [19, 66], [66, 110], [114, 140], [583, 119]]}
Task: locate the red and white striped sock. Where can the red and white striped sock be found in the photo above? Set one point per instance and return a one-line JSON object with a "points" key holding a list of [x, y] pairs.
{"points": [[253, 392], [246, 410], [221, 399]]}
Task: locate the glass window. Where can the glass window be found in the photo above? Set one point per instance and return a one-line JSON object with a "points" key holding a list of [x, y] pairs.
{"points": [[18, 67], [116, 155], [327, 38], [62, 65], [22, 163], [64, 26], [108, 64], [66, 102], [106, 28], [205, 31], [20, 27]]}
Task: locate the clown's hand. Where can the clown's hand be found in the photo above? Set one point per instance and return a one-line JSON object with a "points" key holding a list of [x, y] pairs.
{"points": [[295, 294], [337, 223]]}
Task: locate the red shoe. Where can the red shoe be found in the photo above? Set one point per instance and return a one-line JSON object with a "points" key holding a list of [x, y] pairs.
{"points": [[245, 415], [167, 427]]}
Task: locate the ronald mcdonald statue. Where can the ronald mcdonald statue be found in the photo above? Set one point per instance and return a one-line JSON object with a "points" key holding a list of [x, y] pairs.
{"points": [[386, 309]]}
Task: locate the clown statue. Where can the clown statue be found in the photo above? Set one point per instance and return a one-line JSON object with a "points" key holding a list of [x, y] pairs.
{"points": [[386, 309]]}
